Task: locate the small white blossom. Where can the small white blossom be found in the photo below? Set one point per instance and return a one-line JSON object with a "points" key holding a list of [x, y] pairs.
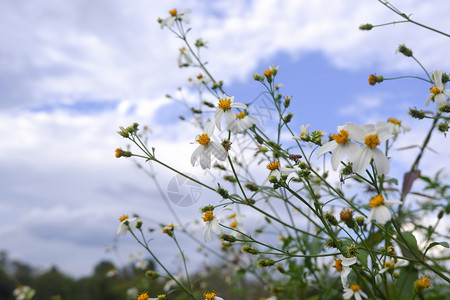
{"points": [[392, 265], [207, 147], [277, 171], [354, 291], [141, 264], [211, 223], [380, 211], [224, 109], [438, 91], [394, 126], [242, 122], [342, 265], [175, 15], [125, 224], [184, 58]]}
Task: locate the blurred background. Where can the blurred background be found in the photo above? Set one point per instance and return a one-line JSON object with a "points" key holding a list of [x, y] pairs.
{"points": [[72, 72]]}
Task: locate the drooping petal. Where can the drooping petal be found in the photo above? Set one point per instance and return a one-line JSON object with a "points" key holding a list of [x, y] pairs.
{"points": [[353, 151], [196, 154], [336, 157], [440, 99], [328, 147], [360, 163], [355, 132], [382, 214], [218, 116], [438, 79], [429, 97], [209, 128], [381, 161], [215, 226], [205, 159], [218, 150], [238, 105]]}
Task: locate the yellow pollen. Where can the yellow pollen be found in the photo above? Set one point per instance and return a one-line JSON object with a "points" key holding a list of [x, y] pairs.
{"points": [[232, 216], [143, 296], [203, 139], [341, 137], [338, 265], [387, 264], [273, 165], [225, 103], [372, 140], [346, 214], [372, 79], [199, 76], [394, 121], [422, 283], [376, 201], [355, 287], [435, 90], [173, 12], [182, 49], [210, 296], [123, 218], [234, 224], [209, 216], [240, 115]]}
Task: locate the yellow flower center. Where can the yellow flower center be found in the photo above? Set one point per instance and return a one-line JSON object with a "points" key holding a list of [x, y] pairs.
{"points": [[143, 296], [268, 72], [234, 224], [355, 287], [422, 283], [435, 90], [273, 165], [387, 264], [346, 214], [338, 265], [182, 49], [394, 121], [199, 76], [376, 201], [240, 115], [372, 79], [232, 216], [123, 218], [372, 140], [225, 103], [203, 139], [173, 12], [210, 296], [209, 216], [341, 137]]}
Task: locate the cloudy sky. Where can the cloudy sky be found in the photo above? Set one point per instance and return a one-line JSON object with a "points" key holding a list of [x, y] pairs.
{"points": [[72, 72]]}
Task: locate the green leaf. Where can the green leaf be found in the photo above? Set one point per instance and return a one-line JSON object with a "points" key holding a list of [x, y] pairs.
{"points": [[405, 284], [443, 244], [411, 242], [239, 274]]}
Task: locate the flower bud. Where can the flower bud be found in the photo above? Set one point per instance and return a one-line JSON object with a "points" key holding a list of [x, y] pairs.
{"points": [[249, 249], [228, 238], [405, 51], [416, 114], [366, 27], [287, 101], [262, 263], [444, 108], [330, 218], [360, 221], [152, 274], [443, 127], [352, 251]]}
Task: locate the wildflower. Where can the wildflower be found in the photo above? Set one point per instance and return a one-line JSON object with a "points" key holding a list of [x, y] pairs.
{"points": [[277, 171], [211, 296], [354, 291], [237, 223], [391, 265], [23, 292], [198, 81], [126, 224], [184, 58], [340, 145], [394, 126], [207, 147], [141, 264], [132, 292], [343, 267], [172, 283], [438, 91], [371, 138], [175, 16], [304, 135], [421, 284], [211, 224], [242, 122], [374, 79], [111, 272], [380, 211], [224, 108], [168, 229]]}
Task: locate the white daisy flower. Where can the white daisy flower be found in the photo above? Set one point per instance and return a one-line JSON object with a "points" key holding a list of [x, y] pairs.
{"points": [[354, 291], [371, 138], [392, 265], [211, 296], [175, 15], [224, 108], [184, 58], [132, 292], [207, 147], [242, 122], [125, 224], [304, 133], [198, 81], [23, 292], [111, 272], [438, 91], [380, 211], [141, 264], [236, 223], [211, 224], [342, 265], [394, 126], [277, 171], [340, 145]]}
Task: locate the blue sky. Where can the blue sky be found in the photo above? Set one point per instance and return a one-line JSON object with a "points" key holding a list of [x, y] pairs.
{"points": [[72, 72]]}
